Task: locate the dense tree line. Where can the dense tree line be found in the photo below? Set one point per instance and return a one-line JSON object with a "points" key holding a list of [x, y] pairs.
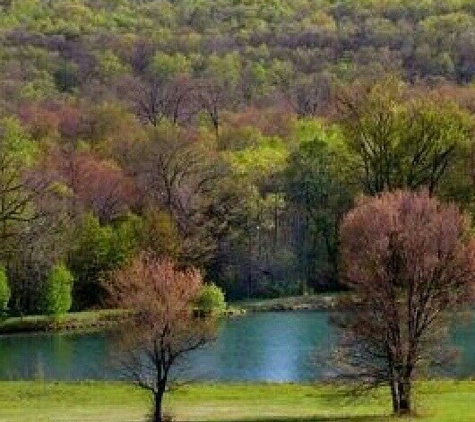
{"points": [[228, 136], [230, 53]]}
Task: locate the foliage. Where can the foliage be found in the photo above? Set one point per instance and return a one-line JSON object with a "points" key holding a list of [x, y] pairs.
{"points": [[160, 234], [17, 153], [408, 259], [97, 250], [4, 291], [211, 300], [316, 187], [400, 144], [57, 294], [164, 325], [230, 136]]}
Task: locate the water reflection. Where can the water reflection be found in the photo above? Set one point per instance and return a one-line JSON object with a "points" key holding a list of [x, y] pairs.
{"points": [[268, 346]]}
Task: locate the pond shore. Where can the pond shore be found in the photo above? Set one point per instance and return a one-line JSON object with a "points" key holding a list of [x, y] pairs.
{"points": [[316, 302], [74, 321], [436, 401], [106, 318]]}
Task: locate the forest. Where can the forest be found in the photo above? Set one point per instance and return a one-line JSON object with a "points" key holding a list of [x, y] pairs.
{"points": [[229, 135]]}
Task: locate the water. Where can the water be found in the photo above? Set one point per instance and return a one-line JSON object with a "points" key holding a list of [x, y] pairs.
{"points": [[289, 346]]}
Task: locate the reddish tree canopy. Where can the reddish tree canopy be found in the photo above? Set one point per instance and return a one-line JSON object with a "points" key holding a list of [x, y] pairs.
{"points": [[408, 258], [164, 324]]}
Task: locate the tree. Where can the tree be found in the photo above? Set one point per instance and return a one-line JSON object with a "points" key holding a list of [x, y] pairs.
{"points": [[178, 175], [4, 291], [164, 325], [211, 300], [310, 96], [98, 185], [409, 259], [19, 185], [157, 99], [159, 234], [96, 250], [57, 296], [317, 191], [212, 97], [399, 143]]}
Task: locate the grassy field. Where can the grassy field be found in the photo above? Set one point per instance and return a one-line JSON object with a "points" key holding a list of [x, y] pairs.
{"points": [[437, 401]]}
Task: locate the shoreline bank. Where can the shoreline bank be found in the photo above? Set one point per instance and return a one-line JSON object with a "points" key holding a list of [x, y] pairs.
{"points": [[108, 318]]}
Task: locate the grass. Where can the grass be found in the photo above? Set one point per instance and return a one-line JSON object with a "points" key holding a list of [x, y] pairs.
{"points": [[437, 401], [70, 321]]}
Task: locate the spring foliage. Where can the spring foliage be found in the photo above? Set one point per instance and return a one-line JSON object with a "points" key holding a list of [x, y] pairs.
{"points": [[4, 291], [211, 300], [57, 298], [409, 259]]}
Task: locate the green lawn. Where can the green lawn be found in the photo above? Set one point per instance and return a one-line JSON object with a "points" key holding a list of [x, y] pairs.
{"points": [[437, 401]]}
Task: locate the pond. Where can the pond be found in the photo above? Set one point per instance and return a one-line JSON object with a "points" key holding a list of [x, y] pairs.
{"points": [[285, 346]]}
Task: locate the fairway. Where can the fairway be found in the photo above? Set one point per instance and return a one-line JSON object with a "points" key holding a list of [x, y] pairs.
{"points": [[437, 401]]}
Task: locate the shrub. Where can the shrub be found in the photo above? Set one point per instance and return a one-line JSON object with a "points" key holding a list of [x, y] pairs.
{"points": [[211, 300], [4, 291], [57, 298]]}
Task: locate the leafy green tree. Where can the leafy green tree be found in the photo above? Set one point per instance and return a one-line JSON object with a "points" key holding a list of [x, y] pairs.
{"points": [[57, 295], [398, 143], [159, 234], [110, 65], [224, 70], [316, 188], [166, 66], [4, 291], [19, 188], [259, 259], [96, 251], [211, 300]]}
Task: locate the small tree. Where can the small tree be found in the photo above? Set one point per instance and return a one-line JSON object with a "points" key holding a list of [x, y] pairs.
{"points": [[164, 325], [4, 291], [57, 298], [408, 259], [211, 300]]}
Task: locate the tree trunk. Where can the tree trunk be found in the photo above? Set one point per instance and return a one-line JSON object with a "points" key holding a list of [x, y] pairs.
{"points": [[394, 397], [157, 411], [404, 397]]}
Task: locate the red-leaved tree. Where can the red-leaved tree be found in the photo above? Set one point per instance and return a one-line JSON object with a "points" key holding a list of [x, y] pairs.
{"points": [[164, 325], [409, 259]]}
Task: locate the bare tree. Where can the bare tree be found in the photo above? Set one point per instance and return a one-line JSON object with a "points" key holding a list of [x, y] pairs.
{"points": [[311, 96], [213, 98], [157, 99], [179, 175], [408, 259], [164, 325]]}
